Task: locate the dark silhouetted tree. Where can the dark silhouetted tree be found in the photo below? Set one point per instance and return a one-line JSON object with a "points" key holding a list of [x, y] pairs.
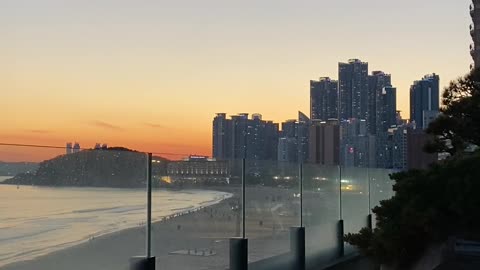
{"points": [[458, 126], [432, 205], [429, 207]]}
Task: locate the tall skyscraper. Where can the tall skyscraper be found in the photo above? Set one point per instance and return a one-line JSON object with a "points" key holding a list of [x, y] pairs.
{"points": [[353, 89], [221, 136], [270, 146], [239, 136], [303, 137], [324, 99], [475, 33], [256, 139], [398, 148], [424, 100], [376, 83], [324, 142], [387, 116]]}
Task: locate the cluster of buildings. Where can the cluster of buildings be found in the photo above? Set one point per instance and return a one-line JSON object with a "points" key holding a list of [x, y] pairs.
{"points": [[353, 122], [241, 136], [72, 148], [357, 123], [101, 146]]}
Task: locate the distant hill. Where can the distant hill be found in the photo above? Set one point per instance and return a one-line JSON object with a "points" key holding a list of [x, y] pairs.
{"points": [[113, 167], [14, 168]]}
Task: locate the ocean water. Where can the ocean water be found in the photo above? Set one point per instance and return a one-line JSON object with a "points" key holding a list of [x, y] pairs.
{"points": [[38, 220]]}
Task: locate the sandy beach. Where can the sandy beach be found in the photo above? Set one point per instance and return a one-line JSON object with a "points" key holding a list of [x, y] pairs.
{"points": [[193, 240]]}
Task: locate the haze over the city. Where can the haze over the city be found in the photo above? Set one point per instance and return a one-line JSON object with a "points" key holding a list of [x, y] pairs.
{"points": [[150, 75]]}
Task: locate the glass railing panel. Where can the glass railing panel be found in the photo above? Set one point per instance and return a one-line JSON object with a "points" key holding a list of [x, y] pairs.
{"points": [[380, 185], [381, 188], [196, 208], [272, 207], [355, 200], [81, 210], [355, 204], [321, 212]]}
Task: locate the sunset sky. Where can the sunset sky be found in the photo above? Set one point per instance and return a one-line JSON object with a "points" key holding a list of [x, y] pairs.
{"points": [[151, 74]]}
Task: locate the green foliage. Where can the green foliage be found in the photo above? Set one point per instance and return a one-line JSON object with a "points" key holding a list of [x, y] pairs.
{"points": [[458, 127], [428, 207]]}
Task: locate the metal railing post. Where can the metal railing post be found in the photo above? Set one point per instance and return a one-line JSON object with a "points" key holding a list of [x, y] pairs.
{"points": [[149, 207], [243, 197], [341, 225], [297, 234], [340, 192], [142, 263], [341, 238], [301, 193], [297, 246], [146, 262], [238, 254], [239, 245]]}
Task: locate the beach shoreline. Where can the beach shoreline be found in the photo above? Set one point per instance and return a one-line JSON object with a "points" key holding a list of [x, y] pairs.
{"points": [[32, 254], [181, 241]]}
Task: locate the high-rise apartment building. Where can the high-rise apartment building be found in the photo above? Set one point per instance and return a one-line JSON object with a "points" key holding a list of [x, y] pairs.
{"points": [[377, 82], [69, 148], [391, 150], [289, 129], [222, 128], [475, 33], [323, 99], [424, 100], [243, 137], [287, 149], [76, 148], [387, 109], [357, 146], [386, 119], [271, 141], [293, 140], [324, 142], [100, 146], [353, 89], [256, 139], [303, 137], [398, 148]]}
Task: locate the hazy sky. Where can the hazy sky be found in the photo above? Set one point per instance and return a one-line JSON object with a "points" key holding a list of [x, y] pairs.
{"points": [[150, 75]]}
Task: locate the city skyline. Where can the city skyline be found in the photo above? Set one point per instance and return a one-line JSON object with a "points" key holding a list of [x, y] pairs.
{"points": [[131, 76]]}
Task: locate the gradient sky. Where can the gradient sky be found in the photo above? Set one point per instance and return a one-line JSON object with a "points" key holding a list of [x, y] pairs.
{"points": [[151, 74]]}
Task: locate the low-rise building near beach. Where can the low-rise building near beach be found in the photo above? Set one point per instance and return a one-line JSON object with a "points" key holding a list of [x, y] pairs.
{"points": [[199, 170]]}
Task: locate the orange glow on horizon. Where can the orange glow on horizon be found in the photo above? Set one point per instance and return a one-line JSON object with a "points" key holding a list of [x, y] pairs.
{"points": [[150, 76]]}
